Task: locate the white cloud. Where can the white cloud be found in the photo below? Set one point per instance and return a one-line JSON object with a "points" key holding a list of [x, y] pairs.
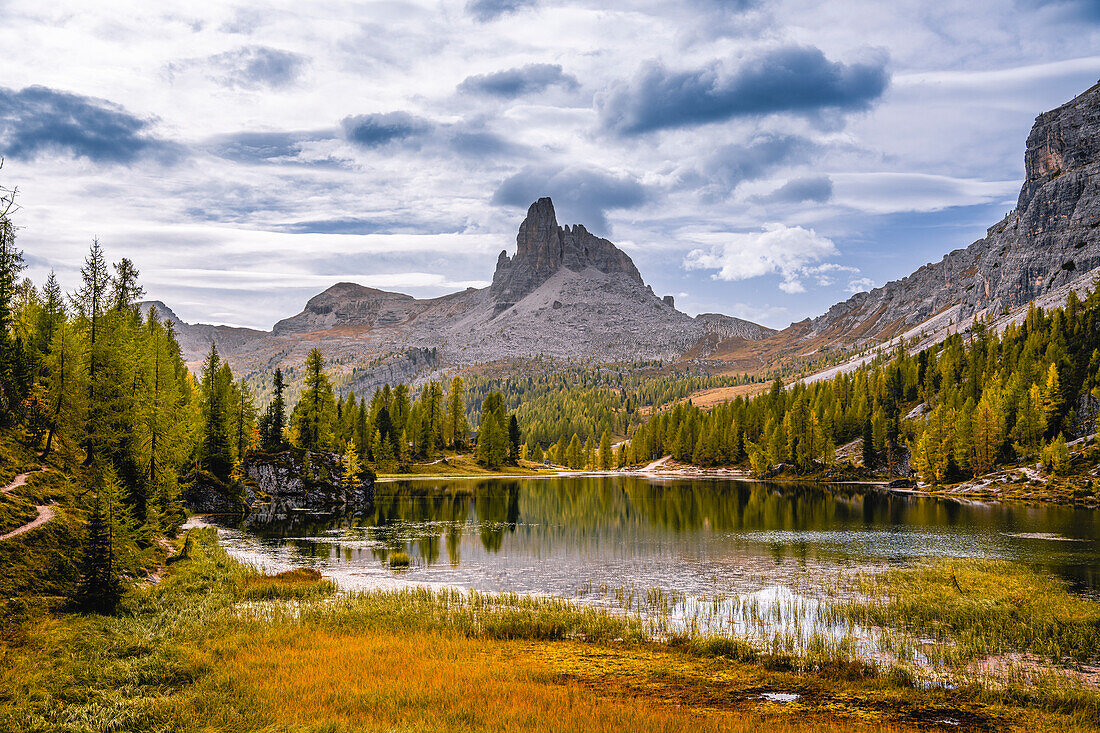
{"points": [[859, 285], [777, 249]]}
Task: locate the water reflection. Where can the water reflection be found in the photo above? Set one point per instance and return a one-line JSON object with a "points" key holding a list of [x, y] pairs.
{"points": [[559, 535]]}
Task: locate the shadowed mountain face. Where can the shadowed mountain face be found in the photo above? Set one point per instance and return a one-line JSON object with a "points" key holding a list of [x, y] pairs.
{"points": [[565, 294]]}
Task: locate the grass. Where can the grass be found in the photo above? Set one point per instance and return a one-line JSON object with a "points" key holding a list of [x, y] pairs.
{"points": [[218, 646], [465, 465], [978, 608], [297, 584]]}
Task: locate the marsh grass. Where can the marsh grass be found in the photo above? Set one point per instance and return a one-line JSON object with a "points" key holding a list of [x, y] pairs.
{"points": [[298, 584], [197, 653], [973, 609]]}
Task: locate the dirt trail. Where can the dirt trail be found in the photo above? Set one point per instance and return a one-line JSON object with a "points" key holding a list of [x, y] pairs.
{"points": [[657, 463], [20, 480], [45, 513]]}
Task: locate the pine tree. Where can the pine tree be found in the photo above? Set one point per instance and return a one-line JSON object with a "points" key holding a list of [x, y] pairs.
{"points": [[456, 414], [869, 458], [100, 586], [273, 422], [605, 451], [315, 414], [215, 452], [11, 264], [514, 439]]}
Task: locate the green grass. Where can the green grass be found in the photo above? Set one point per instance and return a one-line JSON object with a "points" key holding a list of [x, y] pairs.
{"points": [[978, 608]]}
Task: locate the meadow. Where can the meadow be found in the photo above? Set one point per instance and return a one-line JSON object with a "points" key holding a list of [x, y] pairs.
{"points": [[218, 646]]}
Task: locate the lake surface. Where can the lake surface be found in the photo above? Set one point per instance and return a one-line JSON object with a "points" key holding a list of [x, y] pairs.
{"points": [[572, 536]]}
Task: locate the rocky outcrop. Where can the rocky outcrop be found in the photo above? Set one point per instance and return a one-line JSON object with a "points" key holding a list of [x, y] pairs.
{"points": [[278, 483], [1048, 240], [303, 480], [350, 304], [543, 248]]}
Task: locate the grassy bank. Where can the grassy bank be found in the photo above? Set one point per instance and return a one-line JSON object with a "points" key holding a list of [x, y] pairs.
{"points": [[464, 465], [217, 646]]}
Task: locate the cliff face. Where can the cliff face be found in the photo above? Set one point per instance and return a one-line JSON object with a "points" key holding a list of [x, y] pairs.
{"points": [[1051, 238], [543, 248]]}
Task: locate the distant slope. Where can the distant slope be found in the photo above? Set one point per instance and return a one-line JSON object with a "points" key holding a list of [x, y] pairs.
{"points": [[195, 338]]}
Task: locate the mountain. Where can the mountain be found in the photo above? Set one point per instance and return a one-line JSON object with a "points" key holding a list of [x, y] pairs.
{"points": [[565, 293], [195, 338], [1050, 240], [1047, 246]]}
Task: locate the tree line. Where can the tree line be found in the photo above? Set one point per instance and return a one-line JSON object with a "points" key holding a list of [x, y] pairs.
{"points": [[958, 409]]}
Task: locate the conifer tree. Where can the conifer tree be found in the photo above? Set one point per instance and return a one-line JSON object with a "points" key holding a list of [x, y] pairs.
{"points": [[514, 439], [605, 451], [216, 452], [273, 422], [100, 586], [315, 414], [456, 414], [868, 444]]}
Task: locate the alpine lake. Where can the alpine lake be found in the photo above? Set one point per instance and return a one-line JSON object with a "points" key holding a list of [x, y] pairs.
{"points": [[726, 557]]}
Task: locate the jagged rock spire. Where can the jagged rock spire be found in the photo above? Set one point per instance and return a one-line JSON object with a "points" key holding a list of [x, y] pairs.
{"points": [[543, 248]]}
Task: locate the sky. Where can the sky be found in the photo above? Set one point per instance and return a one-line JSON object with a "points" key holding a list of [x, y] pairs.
{"points": [[760, 159]]}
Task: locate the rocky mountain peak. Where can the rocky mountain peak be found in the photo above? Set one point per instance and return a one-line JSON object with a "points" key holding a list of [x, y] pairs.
{"points": [[1063, 139], [543, 248]]}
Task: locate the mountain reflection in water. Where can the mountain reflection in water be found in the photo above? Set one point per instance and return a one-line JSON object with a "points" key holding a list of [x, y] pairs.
{"points": [[561, 535]]}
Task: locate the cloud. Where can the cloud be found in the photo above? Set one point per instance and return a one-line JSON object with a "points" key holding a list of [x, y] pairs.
{"points": [[264, 147], [253, 67], [798, 190], [37, 120], [734, 164], [487, 10], [1066, 10], [517, 82], [889, 192], [793, 79], [581, 194], [469, 139], [777, 249], [859, 285], [376, 130]]}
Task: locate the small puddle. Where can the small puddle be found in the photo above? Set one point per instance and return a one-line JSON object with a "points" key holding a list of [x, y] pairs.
{"points": [[780, 696]]}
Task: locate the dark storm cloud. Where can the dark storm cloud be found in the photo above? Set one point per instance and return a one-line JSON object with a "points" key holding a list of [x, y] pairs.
{"points": [[794, 79], [581, 195], [512, 83], [486, 10], [799, 190], [248, 67], [376, 130], [469, 139], [37, 120]]}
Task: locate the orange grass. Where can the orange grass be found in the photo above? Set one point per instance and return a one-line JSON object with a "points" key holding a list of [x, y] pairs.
{"points": [[310, 679]]}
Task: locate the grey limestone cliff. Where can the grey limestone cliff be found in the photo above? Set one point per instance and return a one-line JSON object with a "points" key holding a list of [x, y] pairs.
{"points": [[1049, 239], [543, 248]]}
